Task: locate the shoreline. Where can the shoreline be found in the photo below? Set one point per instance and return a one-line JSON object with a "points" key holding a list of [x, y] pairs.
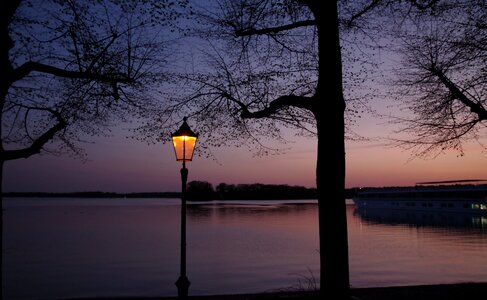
{"points": [[455, 291]]}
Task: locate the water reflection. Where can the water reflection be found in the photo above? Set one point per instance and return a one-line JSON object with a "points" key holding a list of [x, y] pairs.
{"points": [[403, 247], [452, 220], [199, 212], [75, 248], [250, 245]]}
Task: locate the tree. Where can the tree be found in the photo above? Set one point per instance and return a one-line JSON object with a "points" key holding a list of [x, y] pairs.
{"points": [[72, 67], [69, 68], [200, 191], [442, 77], [276, 64]]}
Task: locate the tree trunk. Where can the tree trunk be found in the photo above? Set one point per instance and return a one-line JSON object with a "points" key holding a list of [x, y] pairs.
{"points": [[330, 182], [2, 162], [329, 112]]}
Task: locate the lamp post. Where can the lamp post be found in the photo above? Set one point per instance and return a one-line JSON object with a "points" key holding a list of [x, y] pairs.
{"points": [[184, 142]]}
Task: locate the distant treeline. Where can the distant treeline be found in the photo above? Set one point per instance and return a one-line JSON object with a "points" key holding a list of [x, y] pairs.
{"points": [[203, 191]]}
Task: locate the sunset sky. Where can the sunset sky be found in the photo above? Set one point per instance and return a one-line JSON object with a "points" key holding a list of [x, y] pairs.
{"points": [[117, 164]]}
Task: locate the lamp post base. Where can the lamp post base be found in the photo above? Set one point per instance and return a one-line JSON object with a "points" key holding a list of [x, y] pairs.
{"points": [[183, 286]]}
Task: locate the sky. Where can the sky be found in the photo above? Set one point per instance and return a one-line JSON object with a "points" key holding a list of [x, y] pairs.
{"points": [[118, 164]]}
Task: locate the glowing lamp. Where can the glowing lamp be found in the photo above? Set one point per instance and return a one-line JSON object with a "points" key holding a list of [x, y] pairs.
{"points": [[184, 142]]}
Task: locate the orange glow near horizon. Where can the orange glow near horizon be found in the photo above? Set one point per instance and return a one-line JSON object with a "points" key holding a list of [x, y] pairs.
{"points": [[120, 165], [396, 167]]}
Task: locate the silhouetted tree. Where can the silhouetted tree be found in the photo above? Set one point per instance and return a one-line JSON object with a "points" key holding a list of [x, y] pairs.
{"points": [[277, 64], [442, 77], [69, 68], [224, 189], [200, 191]]}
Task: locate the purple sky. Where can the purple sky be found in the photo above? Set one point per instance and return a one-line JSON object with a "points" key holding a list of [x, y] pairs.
{"points": [[117, 164]]}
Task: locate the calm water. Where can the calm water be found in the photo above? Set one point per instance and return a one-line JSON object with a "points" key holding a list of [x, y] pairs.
{"points": [[55, 248]]}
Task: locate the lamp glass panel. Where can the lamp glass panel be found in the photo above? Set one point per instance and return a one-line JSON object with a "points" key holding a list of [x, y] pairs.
{"points": [[184, 147]]}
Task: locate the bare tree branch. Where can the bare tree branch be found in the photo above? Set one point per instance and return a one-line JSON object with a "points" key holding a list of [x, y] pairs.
{"points": [[273, 107], [38, 144], [363, 11], [458, 94], [273, 30], [32, 66]]}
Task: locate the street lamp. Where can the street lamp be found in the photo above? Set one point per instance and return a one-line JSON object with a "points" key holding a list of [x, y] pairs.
{"points": [[184, 142]]}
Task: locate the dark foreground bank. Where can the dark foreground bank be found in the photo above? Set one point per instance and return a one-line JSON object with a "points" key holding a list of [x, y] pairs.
{"points": [[461, 291]]}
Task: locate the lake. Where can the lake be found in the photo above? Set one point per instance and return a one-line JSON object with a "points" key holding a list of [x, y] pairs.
{"points": [[71, 248]]}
